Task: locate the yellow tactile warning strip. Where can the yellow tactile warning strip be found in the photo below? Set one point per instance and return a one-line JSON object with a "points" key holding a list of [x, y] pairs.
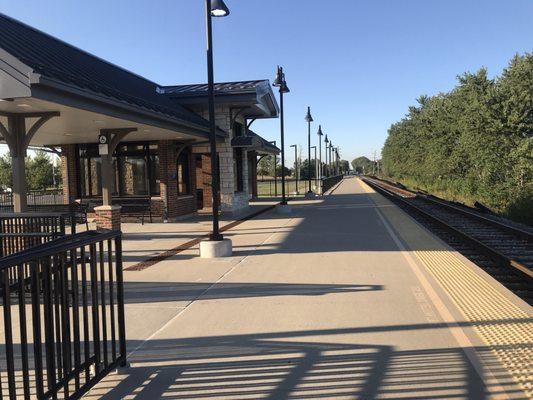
{"points": [[511, 339]]}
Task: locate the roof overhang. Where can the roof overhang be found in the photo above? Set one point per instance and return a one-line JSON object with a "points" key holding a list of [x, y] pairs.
{"points": [[23, 91], [254, 142], [258, 102]]}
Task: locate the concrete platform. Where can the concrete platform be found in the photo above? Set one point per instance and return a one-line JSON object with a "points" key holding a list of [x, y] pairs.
{"points": [[347, 297]]}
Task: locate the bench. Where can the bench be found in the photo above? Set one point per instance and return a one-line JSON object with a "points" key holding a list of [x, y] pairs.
{"points": [[135, 207]]}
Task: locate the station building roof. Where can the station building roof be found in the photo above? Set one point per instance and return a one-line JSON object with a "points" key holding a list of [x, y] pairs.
{"points": [[40, 73]]}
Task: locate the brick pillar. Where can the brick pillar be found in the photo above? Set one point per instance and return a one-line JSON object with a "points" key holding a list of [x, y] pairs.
{"points": [[107, 218], [69, 173], [168, 175]]}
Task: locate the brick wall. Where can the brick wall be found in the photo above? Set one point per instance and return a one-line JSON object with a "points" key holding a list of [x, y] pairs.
{"points": [[175, 205], [69, 173]]}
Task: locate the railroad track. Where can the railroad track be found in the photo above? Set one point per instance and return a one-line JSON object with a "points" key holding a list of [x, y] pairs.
{"points": [[501, 249]]}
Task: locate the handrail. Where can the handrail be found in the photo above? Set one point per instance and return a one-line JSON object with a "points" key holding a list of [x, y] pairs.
{"points": [[58, 245]]}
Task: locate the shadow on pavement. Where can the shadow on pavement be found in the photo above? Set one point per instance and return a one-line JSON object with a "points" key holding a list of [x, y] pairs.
{"points": [[287, 366]]}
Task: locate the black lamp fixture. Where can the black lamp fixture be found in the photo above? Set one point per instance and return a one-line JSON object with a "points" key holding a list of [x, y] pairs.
{"points": [[320, 134], [219, 8], [280, 83], [309, 119], [213, 8]]}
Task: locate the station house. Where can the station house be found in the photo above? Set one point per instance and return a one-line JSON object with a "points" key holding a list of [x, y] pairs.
{"points": [[122, 136]]}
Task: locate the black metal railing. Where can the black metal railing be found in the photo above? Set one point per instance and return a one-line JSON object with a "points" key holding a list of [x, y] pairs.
{"points": [[63, 318], [272, 187], [21, 231], [35, 197], [329, 182]]}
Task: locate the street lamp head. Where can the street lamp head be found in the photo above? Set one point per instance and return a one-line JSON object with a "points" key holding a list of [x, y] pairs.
{"points": [[326, 140], [219, 8], [308, 117], [293, 145], [319, 133], [280, 81]]}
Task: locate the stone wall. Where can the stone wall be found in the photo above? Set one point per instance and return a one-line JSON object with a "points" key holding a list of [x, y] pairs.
{"points": [[231, 201]]}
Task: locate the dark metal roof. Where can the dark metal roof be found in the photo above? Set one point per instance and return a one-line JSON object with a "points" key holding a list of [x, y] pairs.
{"points": [[252, 141], [265, 144], [220, 88], [59, 61]]}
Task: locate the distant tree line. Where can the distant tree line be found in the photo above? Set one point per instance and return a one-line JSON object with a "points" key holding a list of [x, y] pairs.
{"points": [[265, 168], [472, 143], [39, 172], [363, 165]]}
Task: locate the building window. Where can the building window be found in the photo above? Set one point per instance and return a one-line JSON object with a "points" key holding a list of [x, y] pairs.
{"points": [[184, 176], [135, 165]]}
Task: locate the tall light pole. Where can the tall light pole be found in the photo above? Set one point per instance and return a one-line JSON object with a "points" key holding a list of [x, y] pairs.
{"points": [[275, 158], [282, 85], [309, 119], [316, 165], [330, 158], [326, 141], [320, 134], [213, 8], [296, 165]]}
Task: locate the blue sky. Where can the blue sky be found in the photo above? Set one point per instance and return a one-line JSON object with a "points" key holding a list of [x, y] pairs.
{"points": [[358, 64]]}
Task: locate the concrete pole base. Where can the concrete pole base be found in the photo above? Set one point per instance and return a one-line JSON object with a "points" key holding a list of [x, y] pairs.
{"points": [[215, 248], [283, 209]]}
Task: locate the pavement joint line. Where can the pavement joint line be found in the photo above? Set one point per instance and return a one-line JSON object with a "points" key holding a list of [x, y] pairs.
{"points": [[186, 307], [151, 261], [468, 294]]}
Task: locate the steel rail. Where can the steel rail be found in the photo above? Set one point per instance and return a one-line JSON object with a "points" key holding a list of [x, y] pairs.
{"points": [[495, 255]]}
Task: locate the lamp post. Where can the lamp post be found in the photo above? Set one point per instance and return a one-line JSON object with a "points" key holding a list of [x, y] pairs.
{"points": [[309, 119], [282, 85], [316, 166], [296, 165], [337, 161], [326, 141], [330, 168], [216, 246], [320, 134], [275, 157]]}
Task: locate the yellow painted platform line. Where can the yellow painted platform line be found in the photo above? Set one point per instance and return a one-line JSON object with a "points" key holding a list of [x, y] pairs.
{"points": [[503, 326]]}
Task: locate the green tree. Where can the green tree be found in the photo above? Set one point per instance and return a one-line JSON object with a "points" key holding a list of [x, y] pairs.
{"points": [[472, 143], [266, 166], [362, 165], [6, 174], [304, 169], [344, 166], [39, 171]]}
